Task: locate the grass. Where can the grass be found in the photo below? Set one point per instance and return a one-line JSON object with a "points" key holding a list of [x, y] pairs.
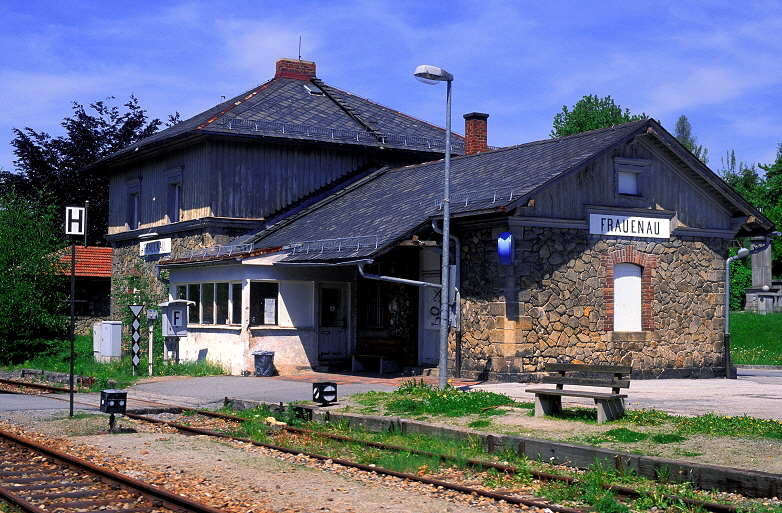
{"points": [[755, 338], [708, 424], [416, 398], [589, 492], [115, 374]]}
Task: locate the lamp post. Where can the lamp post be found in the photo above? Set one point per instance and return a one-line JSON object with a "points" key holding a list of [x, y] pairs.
{"points": [[742, 253], [434, 75]]}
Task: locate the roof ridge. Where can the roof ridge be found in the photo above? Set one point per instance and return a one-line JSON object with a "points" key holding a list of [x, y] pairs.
{"points": [[346, 108], [246, 97], [382, 106]]}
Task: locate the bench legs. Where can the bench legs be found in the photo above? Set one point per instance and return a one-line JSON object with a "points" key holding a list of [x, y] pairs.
{"points": [[609, 409], [547, 404]]}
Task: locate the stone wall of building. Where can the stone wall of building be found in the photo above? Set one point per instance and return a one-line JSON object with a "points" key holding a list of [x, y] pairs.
{"points": [[554, 304], [126, 260]]}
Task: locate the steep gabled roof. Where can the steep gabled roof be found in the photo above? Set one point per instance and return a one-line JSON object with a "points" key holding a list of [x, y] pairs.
{"points": [[294, 106], [372, 215], [393, 203]]}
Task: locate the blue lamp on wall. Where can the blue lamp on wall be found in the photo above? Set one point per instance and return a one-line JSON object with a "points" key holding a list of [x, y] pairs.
{"points": [[505, 248]]}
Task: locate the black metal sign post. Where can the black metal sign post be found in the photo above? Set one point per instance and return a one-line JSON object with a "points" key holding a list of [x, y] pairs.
{"points": [[136, 335], [75, 224], [72, 328]]}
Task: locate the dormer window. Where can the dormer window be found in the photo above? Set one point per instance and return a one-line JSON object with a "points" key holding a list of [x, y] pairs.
{"points": [[629, 176]]}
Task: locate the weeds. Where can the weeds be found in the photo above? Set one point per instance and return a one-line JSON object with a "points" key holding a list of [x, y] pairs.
{"points": [[727, 425], [415, 398], [667, 438]]}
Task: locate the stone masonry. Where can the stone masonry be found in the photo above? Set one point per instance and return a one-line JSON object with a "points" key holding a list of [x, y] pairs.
{"points": [[554, 304], [125, 258]]}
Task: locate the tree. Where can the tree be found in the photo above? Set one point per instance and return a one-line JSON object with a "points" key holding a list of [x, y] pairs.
{"points": [[763, 192], [52, 164], [683, 134], [591, 113], [32, 281]]}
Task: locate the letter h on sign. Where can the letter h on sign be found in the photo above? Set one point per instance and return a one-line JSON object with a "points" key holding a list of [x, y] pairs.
{"points": [[74, 220]]}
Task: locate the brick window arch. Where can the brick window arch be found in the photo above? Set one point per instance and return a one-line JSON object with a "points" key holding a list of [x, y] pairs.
{"points": [[646, 262]]}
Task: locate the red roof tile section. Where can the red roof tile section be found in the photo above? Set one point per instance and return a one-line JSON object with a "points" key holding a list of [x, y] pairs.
{"points": [[92, 261]]}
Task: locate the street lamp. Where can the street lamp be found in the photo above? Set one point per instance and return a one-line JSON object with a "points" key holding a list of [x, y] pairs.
{"points": [[433, 75], [742, 253]]}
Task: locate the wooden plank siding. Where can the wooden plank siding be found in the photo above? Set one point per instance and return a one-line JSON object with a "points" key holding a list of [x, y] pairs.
{"points": [[235, 179], [595, 185]]}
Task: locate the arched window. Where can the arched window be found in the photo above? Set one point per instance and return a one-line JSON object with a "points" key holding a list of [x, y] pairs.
{"points": [[627, 297]]}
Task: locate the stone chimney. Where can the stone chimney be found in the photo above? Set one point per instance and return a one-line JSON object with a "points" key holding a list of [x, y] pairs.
{"points": [[475, 133], [295, 68]]}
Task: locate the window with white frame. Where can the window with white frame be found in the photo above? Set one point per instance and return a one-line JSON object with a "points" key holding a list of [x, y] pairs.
{"points": [[283, 304], [263, 303], [216, 303], [629, 176]]}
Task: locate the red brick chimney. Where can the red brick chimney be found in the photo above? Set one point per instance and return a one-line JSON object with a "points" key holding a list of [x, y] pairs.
{"points": [[475, 133], [295, 68]]}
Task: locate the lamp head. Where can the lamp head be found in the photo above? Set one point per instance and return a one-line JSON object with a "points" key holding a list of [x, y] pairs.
{"points": [[432, 74], [741, 253]]}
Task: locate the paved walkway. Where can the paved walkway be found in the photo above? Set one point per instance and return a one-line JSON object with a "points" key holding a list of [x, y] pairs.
{"points": [[757, 393]]}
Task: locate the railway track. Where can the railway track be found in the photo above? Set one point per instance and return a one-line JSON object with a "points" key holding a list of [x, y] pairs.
{"points": [[39, 479], [21, 387], [619, 491]]}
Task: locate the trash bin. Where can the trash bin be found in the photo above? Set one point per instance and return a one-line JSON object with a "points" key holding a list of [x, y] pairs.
{"points": [[264, 363]]}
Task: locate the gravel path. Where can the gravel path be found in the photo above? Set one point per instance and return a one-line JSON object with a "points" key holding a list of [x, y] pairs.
{"points": [[237, 477]]}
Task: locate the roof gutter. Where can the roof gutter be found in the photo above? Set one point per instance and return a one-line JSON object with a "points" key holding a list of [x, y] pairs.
{"points": [[360, 266]]}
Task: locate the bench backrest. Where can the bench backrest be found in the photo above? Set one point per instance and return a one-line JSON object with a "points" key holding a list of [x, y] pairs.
{"points": [[615, 382]]}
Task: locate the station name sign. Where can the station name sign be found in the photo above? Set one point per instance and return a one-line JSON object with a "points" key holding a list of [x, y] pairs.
{"points": [[155, 247], [629, 226]]}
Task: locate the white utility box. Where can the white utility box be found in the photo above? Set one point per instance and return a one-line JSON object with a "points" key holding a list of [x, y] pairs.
{"points": [[107, 341]]}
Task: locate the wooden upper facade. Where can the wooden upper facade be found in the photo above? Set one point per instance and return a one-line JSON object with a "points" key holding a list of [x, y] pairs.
{"points": [[260, 153]]}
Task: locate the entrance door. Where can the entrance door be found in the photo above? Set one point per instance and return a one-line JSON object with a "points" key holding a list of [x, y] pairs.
{"points": [[333, 332], [429, 313]]}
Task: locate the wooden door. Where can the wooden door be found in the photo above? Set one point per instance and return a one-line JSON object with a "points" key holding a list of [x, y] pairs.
{"points": [[333, 331]]}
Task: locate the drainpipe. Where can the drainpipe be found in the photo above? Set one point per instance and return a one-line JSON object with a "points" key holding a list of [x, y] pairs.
{"points": [[393, 279], [742, 253], [457, 297]]}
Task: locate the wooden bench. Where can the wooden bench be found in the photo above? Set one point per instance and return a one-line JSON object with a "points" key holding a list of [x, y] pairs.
{"points": [[388, 353], [609, 405]]}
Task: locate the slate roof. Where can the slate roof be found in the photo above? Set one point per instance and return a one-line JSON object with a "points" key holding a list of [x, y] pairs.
{"points": [[91, 262], [372, 215], [285, 108]]}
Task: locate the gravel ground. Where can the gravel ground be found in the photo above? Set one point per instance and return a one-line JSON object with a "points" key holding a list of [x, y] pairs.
{"points": [[237, 477]]}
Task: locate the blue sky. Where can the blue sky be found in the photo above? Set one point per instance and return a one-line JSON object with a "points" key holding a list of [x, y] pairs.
{"points": [[717, 62]]}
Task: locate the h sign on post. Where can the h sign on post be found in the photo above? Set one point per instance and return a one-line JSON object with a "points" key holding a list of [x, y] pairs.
{"points": [[75, 220]]}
